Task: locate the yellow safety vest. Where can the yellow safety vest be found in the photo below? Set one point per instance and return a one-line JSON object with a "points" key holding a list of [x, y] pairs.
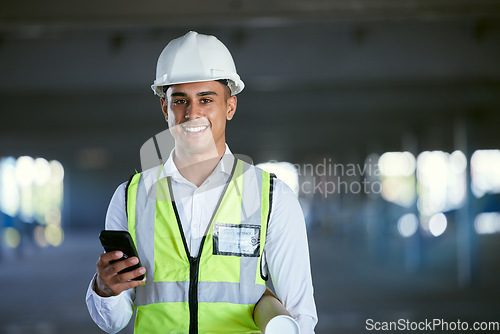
{"points": [[215, 291]]}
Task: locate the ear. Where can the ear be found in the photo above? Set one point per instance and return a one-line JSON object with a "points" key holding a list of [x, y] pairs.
{"points": [[164, 107], [231, 102]]}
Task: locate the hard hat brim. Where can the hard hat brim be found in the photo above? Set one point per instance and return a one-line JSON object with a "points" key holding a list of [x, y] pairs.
{"points": [[236, 85]]}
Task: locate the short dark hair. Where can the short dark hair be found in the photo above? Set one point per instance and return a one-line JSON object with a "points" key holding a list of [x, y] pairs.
{"points": [[227, 90], [223, 81]]}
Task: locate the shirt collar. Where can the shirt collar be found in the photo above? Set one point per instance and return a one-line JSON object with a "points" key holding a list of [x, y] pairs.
{"points": [[224, 166]]}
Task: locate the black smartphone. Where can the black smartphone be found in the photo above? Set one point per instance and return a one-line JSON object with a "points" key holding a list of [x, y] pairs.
{"points": [[120, 241]]}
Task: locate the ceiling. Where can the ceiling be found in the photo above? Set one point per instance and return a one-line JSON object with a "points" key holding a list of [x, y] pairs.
{"points": [[257, 12]]}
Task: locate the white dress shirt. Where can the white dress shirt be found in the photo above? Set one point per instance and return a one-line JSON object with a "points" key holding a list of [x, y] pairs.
{"points": [[285, 256]]}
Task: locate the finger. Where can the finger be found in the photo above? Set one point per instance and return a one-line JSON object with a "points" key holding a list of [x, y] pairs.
{"points": [[113, 288], [105, 258], [127, 276], [123, 264], [129, 285], [104, 268]]}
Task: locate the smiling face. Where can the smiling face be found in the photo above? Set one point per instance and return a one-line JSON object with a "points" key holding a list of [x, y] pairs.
{"points": [[196, 114]]}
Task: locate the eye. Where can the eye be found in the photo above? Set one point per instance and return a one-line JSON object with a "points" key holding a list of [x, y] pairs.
{"points": [[177, 102], [205, 100]]}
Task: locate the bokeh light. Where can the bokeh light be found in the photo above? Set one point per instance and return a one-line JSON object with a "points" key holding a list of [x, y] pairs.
{"points": [[11, 237], [32, 190], [397, 164], [407, 225], [56, 172], [397, 174], [285, 171], [42, 174], [25, 171], [54, 234], [441, 181], [39, 236], [487, 223], [9, 192], [485, 172], [438, 224]]}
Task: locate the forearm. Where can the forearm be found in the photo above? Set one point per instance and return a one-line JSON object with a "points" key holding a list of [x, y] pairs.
{"points": [[111, 314]]}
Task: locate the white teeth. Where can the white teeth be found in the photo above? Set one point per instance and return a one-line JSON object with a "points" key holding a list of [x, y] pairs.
{"points": [[195, 129]]}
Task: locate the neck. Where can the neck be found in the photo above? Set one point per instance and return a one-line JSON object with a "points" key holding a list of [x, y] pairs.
{"points": [[196, 168]]}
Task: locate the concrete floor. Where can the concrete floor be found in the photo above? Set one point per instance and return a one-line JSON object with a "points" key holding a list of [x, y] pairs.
{"points": [[43, 289]]}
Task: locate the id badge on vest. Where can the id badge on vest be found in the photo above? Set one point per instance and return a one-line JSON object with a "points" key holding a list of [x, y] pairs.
{"points": [[236, 239]]}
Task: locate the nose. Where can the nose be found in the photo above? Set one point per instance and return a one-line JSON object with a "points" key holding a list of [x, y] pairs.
{"points": [[193, 111]]}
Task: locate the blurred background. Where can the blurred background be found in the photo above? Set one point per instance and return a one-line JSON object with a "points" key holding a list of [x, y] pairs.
{"points": [[384, 116]]}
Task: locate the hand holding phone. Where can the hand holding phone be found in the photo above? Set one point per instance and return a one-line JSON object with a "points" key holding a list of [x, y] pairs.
{"points": [[121, 241], [119, 268]]}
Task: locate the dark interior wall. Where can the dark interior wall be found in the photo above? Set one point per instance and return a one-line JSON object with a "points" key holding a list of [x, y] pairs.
{"points": [[347, 88], [324, 80]]}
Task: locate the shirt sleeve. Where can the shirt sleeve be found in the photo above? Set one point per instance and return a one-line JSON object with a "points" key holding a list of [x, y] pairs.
{"points": [[112, 314], [287, 257]]}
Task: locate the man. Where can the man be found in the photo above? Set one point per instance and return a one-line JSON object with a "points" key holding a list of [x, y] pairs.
{"points": [[209, 227]]}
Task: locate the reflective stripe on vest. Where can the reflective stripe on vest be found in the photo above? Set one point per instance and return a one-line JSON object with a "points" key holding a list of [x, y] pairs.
{"points": [[216, 290]]}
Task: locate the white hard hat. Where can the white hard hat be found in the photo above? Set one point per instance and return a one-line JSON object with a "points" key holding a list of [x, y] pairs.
{"points": [[195, 57]]}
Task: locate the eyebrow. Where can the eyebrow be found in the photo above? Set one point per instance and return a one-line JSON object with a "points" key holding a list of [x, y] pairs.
{"points": [[206, 93], [199, 94]]}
